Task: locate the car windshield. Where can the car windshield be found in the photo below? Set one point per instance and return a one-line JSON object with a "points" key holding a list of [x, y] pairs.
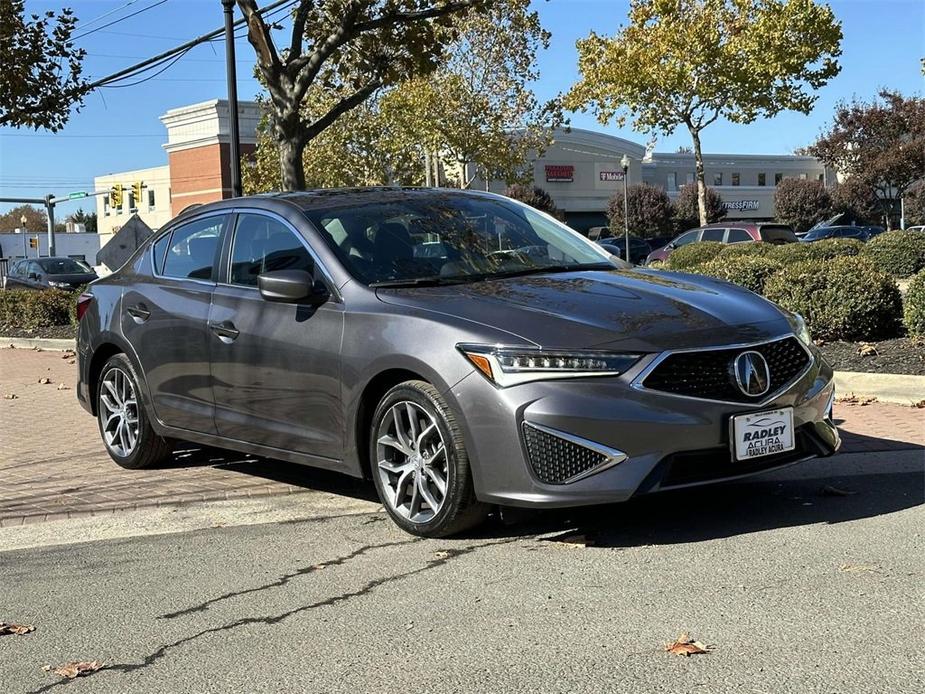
{"points": [[447, 237], [64, 266], [818, 233]]}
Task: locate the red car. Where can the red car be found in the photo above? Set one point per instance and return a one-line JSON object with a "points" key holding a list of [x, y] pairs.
{"points": [[727, 232]]}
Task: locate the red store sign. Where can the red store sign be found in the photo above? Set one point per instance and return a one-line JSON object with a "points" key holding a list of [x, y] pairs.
{"points": [[560, 173]]}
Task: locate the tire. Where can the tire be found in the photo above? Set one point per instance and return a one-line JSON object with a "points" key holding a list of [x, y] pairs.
{"points": [[120, 412], [407, 469]]}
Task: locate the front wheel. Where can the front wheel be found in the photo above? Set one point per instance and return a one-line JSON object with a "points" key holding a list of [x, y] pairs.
{"points": [[124, 425], [419, 463]]}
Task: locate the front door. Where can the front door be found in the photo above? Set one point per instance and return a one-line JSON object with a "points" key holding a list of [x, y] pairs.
{"points": [[275, 366], [165, 318]]}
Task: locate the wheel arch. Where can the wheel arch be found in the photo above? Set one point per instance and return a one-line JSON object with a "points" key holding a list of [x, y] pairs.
{"points": [[110, 345]]}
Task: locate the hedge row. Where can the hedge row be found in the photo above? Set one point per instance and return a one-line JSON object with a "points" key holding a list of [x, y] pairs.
{"points": [[28, 310], [914, 305]]}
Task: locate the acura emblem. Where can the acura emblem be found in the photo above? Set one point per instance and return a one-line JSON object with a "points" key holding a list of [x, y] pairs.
{"points": [[751, 374]]}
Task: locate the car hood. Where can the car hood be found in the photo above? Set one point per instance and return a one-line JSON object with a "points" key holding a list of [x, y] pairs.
{"points": [[75, 279], [632, 310]]}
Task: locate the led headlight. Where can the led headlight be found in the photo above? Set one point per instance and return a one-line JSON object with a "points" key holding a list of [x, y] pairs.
{"points": [[800, 329], [508, 366]]}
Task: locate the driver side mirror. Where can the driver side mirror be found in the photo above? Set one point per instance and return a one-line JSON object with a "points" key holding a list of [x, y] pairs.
{"points": [[292, 287], [33, 276]]}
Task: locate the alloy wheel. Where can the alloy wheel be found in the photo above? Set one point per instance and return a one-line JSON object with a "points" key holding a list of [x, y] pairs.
{"points": [[118, 412], [412, 461]]}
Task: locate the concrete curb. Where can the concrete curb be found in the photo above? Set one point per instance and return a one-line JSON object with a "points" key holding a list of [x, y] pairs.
{"points": [[52, 345], [899, 388]]}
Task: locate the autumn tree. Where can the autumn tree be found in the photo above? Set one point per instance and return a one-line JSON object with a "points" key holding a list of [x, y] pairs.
{"points": [[40, 79], [801, 203], [36, 219], [351, 48], [648, 211], [857, 200], [476, 112], [360, 148], [881, 143], [88, 219], [690, 62], [686, 209], [534, 196]]}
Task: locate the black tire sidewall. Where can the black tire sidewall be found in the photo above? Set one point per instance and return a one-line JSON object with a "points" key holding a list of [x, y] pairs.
{"points": [[458, 484]]}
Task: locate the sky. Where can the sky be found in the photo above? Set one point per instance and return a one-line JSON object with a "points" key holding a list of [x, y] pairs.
{"points": [[118, 129]]}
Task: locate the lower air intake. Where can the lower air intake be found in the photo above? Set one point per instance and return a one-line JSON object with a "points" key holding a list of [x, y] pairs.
{"points": [[556, 460]]}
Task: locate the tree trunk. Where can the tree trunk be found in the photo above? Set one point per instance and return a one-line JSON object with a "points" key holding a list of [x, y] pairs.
{"points": [[698, 167], [292, 171]]}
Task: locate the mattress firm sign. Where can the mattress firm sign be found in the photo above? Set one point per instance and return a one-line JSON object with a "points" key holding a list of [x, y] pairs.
{"points": [[740, 205]]}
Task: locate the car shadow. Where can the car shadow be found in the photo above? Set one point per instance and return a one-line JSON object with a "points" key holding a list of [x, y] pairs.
{"points": [[816, 491]]}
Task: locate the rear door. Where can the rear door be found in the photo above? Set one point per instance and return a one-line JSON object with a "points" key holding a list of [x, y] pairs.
{"points": [[165, 318], [276, 366], [713, 234]]}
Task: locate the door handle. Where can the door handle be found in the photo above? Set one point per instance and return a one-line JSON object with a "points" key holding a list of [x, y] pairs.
{"points": [[139, 313], [225, 331]]}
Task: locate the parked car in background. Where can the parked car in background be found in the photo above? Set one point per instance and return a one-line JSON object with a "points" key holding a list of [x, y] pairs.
{"points": [[727, 232], [49, 273], [838, 232], [306, 327], [639, 249]]}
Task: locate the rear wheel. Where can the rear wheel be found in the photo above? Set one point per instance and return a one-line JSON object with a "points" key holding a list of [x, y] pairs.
{"points": [[124, 425], [420, 465]]}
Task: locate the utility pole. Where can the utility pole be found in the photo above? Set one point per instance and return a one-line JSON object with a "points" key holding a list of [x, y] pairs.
{"points": [[234, 134], [625, 164]]}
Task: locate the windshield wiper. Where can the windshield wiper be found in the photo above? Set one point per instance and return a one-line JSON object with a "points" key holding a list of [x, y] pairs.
{"points": [[540, 270], [411, 282]]}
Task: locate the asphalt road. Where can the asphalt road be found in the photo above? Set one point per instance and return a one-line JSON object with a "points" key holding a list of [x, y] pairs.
{"points": [[797, 588]]}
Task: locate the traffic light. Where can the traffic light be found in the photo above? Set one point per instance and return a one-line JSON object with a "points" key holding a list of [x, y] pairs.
{"points": [[34, 242], [115, 196], [136, 191]]}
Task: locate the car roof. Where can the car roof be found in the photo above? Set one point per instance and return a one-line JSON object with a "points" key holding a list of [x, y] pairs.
{"points": [[326, 198]]}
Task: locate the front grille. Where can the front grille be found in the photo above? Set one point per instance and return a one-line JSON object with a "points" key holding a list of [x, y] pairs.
{"points": [[707, 374], [555, 460]]}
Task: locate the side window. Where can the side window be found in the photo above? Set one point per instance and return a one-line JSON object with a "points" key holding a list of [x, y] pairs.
{"points": [[192, 248], [713, 234], [34, 269], [263, 244], [160, 248], [687, 238], [738, 236]]}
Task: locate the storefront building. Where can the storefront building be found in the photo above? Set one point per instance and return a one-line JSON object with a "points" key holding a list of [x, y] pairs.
{"points": [[582, 169]]}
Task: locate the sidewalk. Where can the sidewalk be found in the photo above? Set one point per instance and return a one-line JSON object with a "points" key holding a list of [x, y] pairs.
{"points": [[53, 465]]}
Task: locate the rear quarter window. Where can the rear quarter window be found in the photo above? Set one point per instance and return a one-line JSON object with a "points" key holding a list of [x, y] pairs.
{"points": [[774, 233], [158, 251]]}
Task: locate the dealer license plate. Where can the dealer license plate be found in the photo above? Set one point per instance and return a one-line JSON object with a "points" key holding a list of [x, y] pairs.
{"points": [[759, 434]]}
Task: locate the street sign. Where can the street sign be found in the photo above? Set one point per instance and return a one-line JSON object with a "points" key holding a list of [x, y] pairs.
{"points": [[76, 195]]}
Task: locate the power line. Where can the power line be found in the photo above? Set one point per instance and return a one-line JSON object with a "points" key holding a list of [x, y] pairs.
{"points": [[120, 19], [158, 60], [93, 21]]}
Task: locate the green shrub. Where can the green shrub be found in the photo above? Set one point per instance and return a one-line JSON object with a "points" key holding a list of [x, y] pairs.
{"points": [[827, 249], [28, 310], [843, 298], [914, 305], [900, 253], [693, 254], [749, 271], [737, 250]]}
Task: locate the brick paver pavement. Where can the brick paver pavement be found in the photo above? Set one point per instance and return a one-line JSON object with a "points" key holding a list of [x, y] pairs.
{"points": [[53, 465]]}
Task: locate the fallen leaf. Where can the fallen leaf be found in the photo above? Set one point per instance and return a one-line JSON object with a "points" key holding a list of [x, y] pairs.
{"points": [[77, 668], [72, 362], [10, 396], [865, 349], [12, 346], [859, 568], [37, 349], [920, 404], [853, 399], [441, 554], [44, 381], [829, 490], [62, 386], [686, 646], [17, 629]]}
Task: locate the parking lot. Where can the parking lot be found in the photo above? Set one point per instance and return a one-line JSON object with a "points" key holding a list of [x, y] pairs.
{"points": [[225, 574]]}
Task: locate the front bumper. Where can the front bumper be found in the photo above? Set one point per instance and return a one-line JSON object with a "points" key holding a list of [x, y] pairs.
{"points": [[668, 441]]}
